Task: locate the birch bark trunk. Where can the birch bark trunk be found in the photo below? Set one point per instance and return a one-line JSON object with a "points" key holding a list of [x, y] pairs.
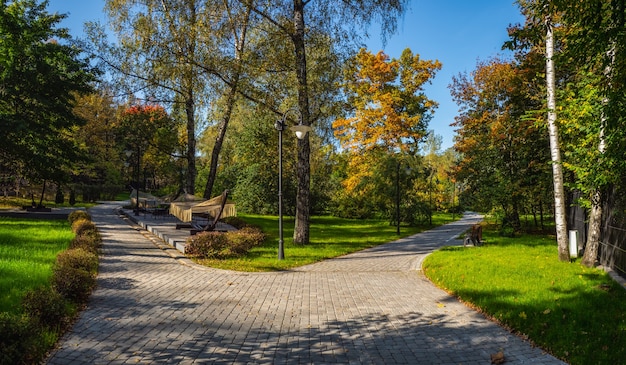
{"points": [[557, 168]]}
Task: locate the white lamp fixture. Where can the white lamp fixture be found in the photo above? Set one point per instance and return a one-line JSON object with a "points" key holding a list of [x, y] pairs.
{"points": [[301, 130]]}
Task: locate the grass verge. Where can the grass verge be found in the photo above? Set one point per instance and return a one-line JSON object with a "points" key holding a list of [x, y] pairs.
{"points": [[576, 313], [330, 237], [43, 285], [13, 202], [28, 249]]}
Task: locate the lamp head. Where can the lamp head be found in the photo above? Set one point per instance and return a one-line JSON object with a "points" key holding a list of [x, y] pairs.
{"points": [[301, 130]]}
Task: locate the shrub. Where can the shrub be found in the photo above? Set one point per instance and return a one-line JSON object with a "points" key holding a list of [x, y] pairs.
{"points": [[78, 258], [236, 222], [207, 245], [78, 214], [216, 245], [87, 242], [83, 227], [74, 274], [73, 284], [241, 241], [47, 308], [16, 338]]}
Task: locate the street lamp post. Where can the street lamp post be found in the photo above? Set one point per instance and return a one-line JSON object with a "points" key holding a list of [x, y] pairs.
{"points": [[138, 177], [398, 198], [128, 154], [407, 170], [430, 197], [300, 131]]}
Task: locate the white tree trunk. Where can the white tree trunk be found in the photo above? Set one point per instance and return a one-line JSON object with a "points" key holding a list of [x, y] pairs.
{"points": [[557, 169]]}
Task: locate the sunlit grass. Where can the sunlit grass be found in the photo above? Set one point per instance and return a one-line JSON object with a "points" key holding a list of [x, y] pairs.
{"points": [[576, 313], [13, 202], [330, 237], [28, 249]]}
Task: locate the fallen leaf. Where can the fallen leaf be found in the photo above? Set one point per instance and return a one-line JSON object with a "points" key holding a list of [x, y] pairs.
{"points": [[497, 358]]}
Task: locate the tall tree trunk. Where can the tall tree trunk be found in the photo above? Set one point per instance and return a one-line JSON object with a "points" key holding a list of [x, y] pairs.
{"points": [[240, 41], [219, 140], [43, 193], [557, 168], [595, 214], [190, 181], [593, 236], [301, 230]]}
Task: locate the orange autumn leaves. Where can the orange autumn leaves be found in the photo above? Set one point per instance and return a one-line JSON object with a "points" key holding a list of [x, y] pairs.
{"points": [[388, 106], [388, 112]]}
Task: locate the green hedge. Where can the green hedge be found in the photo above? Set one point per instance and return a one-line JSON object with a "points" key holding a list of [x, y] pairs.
{"points": [[218, 245], [77, 215]]}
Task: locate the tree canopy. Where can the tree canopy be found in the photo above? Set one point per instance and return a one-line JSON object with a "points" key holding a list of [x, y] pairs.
{"points": [[40, 77], [388, 105]]}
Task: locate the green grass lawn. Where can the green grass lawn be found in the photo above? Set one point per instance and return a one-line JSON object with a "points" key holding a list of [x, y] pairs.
{"points": [[576, 313], [330, 237], [28, 249], [12, 202]]}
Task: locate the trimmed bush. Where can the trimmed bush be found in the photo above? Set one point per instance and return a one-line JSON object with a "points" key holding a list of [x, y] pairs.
{"points": [[73, 284], [74, 274], [241, 241], [216, 245], [207, 245], [78, 214], [90, 243], [78, 258], [83, 227], [47, 308], [16, 338]]}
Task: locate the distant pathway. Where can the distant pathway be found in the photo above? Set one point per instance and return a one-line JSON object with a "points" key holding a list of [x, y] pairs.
{"points": [[371, 307]]}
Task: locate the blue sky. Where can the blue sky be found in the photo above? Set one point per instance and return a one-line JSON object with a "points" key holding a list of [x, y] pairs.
{"points": [[456, 32]]}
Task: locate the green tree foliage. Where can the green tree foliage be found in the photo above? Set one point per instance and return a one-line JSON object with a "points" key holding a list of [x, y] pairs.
{"points": [[597, 39], [590, 54], [162, 52], [39, 80], [295, 21], [145, 131], [256, 161], [249, 163], [504, 155], [98, 137]]}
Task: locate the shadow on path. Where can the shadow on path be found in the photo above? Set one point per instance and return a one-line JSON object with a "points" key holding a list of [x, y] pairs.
{"points": [[370, 307]]}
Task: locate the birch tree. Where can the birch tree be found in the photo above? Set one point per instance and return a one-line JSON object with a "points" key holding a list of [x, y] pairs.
{"points": [[237, 21], [156, 39], [296, 20], [596, 43], [555, 152]]}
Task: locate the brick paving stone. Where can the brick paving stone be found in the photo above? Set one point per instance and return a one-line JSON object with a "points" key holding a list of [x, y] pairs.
{"points": [[152, 305]]}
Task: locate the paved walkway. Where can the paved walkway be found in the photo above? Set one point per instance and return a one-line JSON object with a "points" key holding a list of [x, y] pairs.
{"points": [[373, 307]]}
